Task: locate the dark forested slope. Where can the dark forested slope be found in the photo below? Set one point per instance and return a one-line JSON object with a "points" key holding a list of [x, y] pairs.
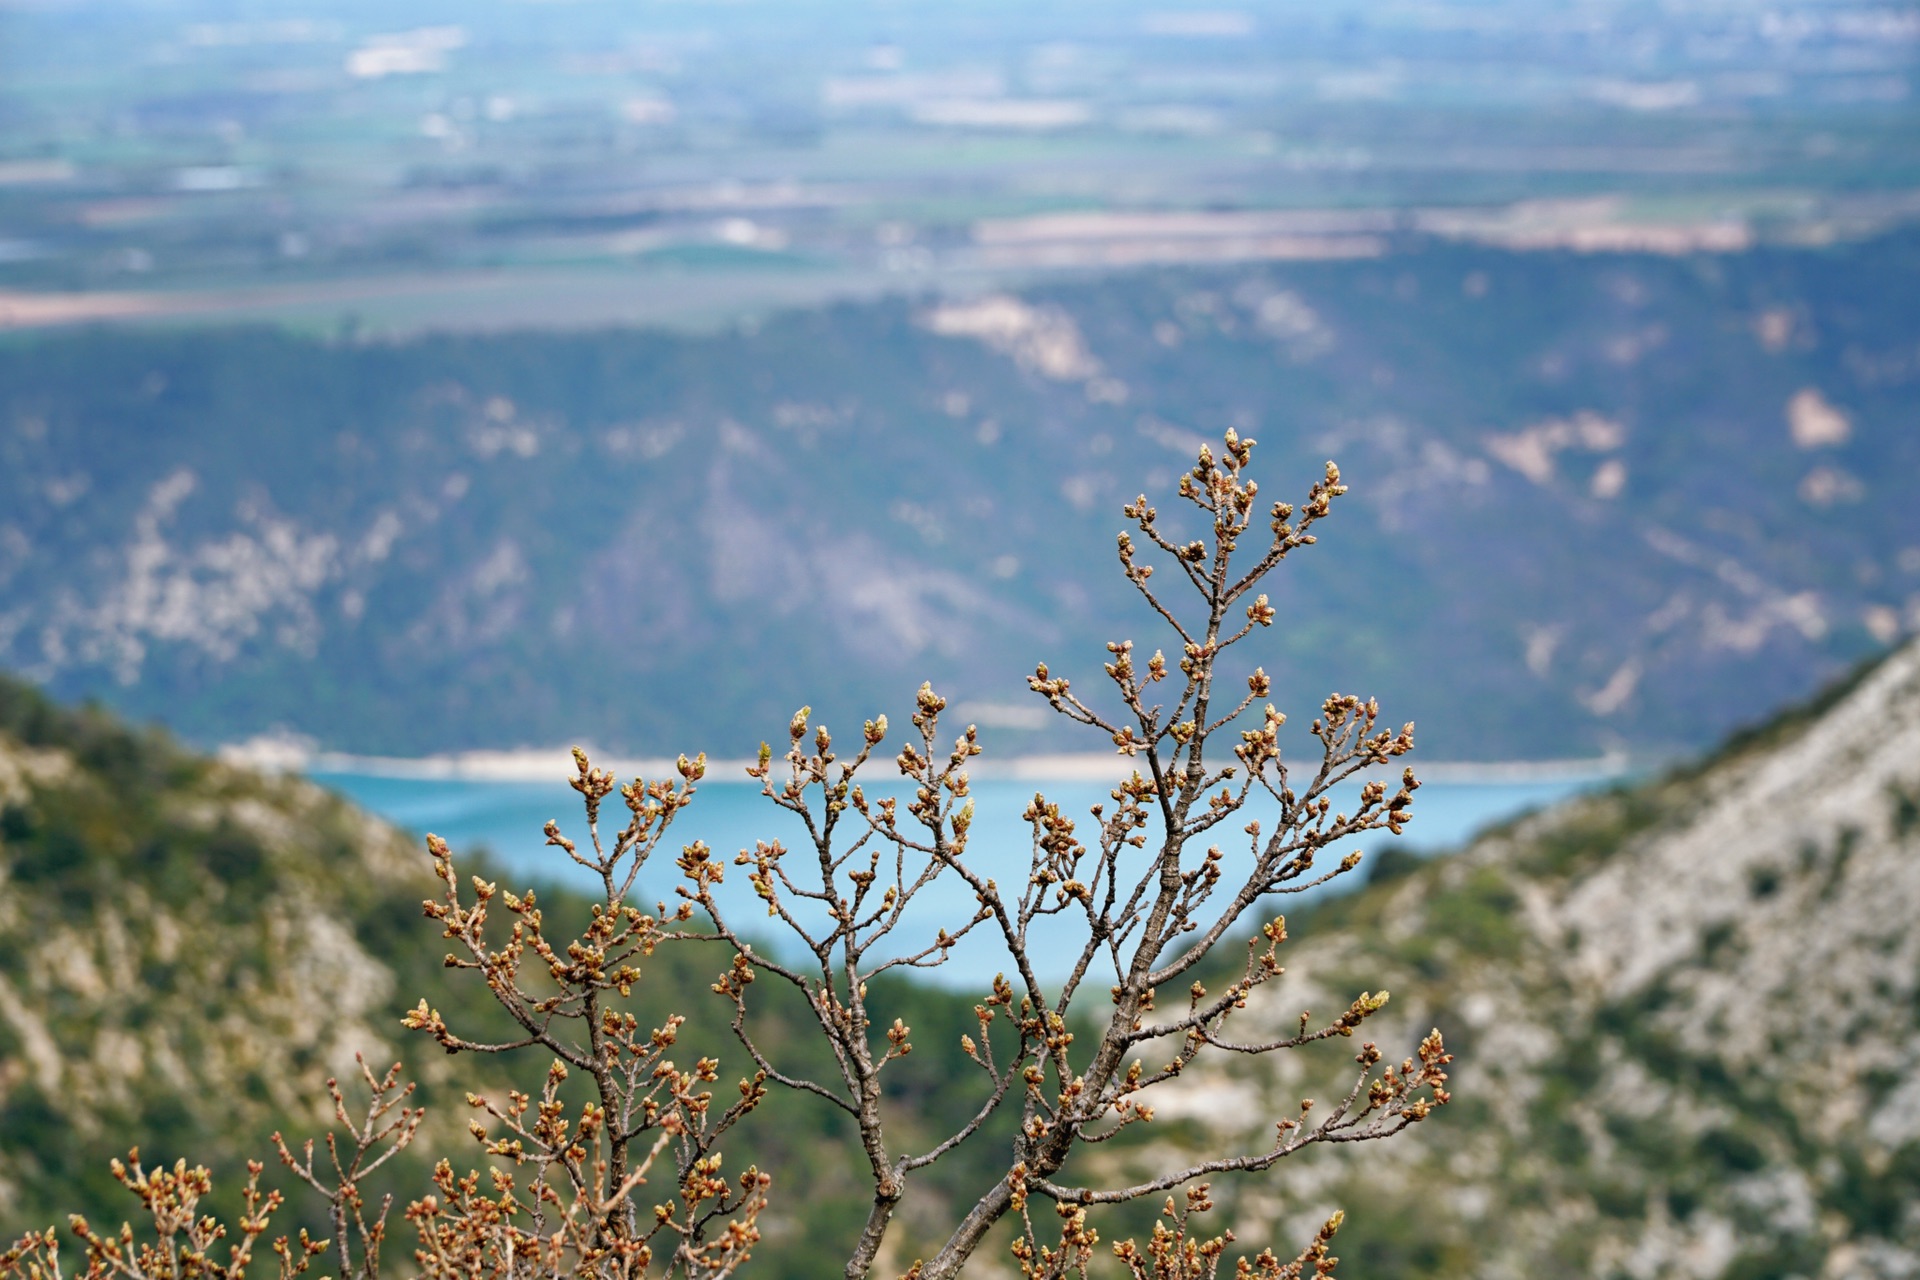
{"points": [[1600, 500]]}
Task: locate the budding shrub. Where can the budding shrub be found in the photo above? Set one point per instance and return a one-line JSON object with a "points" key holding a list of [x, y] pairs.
{"points": [[1211, 819]]}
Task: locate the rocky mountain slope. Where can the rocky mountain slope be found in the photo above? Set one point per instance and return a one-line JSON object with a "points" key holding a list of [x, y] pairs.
{"points": [[1600, 500], [1686, 1017]]}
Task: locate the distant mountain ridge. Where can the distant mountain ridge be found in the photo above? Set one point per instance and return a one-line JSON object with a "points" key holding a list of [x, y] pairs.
{"points": [[1601, 501]]}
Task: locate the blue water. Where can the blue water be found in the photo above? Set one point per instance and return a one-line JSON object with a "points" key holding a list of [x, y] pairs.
{"points": [[505, 818]]}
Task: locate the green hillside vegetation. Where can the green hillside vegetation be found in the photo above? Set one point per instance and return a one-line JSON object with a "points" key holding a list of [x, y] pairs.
{"points": [[188, 950]]}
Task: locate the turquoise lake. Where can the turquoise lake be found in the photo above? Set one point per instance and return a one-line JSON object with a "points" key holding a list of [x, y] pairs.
{"points": [[505, 818]]}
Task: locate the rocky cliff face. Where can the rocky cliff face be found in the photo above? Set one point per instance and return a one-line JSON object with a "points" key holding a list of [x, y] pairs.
{"points": [[1687, 1020], [186, 951]]}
